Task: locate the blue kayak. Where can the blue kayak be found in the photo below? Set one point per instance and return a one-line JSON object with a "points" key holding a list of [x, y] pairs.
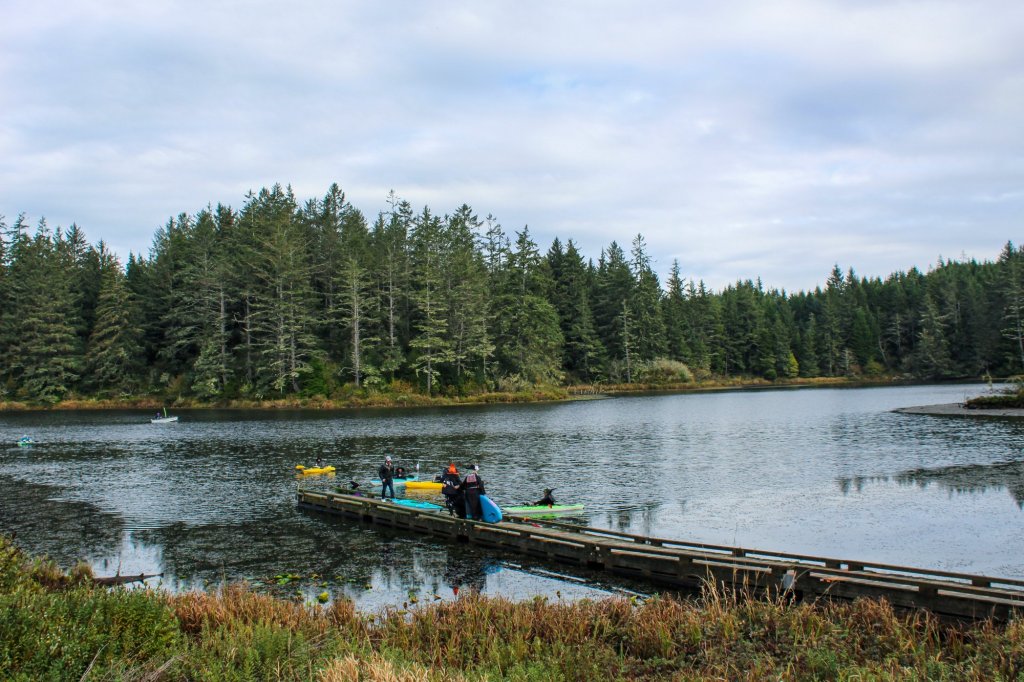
{"points": [[492, 512]]}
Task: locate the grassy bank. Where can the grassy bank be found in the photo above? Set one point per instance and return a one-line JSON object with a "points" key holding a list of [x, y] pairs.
{"points": [[361, 398], [63, 627]]}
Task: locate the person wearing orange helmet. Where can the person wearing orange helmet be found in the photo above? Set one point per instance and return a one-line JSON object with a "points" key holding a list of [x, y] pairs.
{"points": [[454, 498]]}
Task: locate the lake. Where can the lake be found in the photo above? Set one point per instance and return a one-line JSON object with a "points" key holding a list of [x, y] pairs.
{"points": [[824, 471]]}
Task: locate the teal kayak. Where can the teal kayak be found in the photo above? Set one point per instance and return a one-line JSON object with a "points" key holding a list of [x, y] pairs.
{"points": [[543, 510], [396, 479], [417, 504]]}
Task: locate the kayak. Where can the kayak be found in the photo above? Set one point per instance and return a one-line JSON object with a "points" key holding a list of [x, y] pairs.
{"points": [[492, 512], [314, 470], [417, 504], [397, 481], [422, 485], [543, 510], [25, 440]]}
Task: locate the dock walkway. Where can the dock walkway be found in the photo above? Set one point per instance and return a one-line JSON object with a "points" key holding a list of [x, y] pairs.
{"points": [[689, 565]]}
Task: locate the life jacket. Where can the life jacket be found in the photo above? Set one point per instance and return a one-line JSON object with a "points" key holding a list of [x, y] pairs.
{"points": [[472, 482]]}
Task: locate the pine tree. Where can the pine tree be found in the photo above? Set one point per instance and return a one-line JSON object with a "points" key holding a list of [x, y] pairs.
{"points": [[581, 355], [931, 358], [527, 332], [1013, 308], [674, 315], [467, 296], [113, 353], [645, 303], [613, 293], [390, 245], [283, 306], [46, 355], [431, 343]]}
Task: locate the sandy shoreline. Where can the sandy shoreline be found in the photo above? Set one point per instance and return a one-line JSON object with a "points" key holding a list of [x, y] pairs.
{"points": [[958, 410]]}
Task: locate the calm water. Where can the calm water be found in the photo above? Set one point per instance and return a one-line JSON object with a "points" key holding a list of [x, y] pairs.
{"points": [[825, 471]]}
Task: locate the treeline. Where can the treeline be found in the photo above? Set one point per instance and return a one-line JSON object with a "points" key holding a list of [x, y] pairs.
{"points": [[280, 299]]}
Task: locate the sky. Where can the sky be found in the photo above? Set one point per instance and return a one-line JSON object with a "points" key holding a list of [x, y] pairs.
{"points": [[743, 139]]}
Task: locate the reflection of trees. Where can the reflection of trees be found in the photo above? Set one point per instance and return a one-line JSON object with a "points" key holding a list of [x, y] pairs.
{"points": [[970, 478], [637, 519]]}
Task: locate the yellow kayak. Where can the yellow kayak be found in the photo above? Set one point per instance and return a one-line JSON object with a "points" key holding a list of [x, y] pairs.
{"points": [[313, 470], [423, 485]]}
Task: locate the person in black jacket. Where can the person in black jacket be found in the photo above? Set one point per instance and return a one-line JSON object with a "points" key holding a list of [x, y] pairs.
{"points": [[387, 478], [473, 487], [454, 498], [548, 500]]}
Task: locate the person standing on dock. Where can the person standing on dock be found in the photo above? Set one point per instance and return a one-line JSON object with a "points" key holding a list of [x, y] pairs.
{"points": [[387, 477], [473, 486], [454, 499]]}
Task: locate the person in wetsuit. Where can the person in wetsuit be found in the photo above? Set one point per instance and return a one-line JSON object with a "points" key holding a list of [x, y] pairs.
{"points": [[454, 498], [473, 487], [548, 500]]}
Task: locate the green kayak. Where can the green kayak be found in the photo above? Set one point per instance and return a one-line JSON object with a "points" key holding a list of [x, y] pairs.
{"points": [[542, 510]]}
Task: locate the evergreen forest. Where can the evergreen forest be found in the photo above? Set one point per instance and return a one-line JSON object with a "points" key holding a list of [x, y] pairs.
{"points": [[283, 298]]}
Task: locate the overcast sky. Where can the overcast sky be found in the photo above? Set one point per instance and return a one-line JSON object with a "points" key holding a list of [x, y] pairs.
{"points": [[744, 139]]}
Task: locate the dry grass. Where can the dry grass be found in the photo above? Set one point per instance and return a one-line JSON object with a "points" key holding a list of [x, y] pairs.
{"points": [[59, 626]]}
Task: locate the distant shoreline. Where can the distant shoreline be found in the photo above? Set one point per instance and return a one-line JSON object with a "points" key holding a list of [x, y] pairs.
{"points": [[958, 410], [386, 400]]}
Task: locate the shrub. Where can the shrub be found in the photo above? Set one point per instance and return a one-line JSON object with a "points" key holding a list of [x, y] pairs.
{"points": [[665, 371]]}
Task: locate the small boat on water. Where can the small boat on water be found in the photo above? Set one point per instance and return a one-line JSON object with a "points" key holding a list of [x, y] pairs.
{"points": [[422, 485], [25, 440], [544, 510], [164, 419], [309, 471]]}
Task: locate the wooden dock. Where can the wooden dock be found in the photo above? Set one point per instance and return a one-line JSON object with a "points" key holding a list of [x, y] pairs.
{"points": [[689, 565]]}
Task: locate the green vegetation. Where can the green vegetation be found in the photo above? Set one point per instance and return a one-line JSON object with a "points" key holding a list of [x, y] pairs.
{"points": [[1011, 397], [64, 627], [306, 303]]}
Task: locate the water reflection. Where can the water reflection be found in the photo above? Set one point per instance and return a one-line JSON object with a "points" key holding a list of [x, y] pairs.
{"points": [[970, 479]]}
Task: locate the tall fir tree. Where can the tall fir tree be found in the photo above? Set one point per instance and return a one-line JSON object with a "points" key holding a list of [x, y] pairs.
{"points": [[114, 352]]}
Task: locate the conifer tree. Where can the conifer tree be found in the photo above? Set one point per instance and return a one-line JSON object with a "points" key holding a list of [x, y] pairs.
{"points": [[431, 343], [581, 355], [113, 353], [467, 295], [283, 307], [390, 244], [674, 314], [613, 292], [527, 329], [46, 355], [931, 358], [649, 325], [1012, 263]]}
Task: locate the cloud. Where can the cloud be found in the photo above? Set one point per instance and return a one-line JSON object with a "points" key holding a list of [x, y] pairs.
{"points": [[745, 139]]}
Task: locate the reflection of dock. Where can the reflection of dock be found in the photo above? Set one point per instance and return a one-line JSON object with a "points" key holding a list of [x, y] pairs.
{"points": [[688, 565]]}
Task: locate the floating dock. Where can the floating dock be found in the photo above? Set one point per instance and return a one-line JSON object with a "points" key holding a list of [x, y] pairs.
{"points": [[690, 565]]}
